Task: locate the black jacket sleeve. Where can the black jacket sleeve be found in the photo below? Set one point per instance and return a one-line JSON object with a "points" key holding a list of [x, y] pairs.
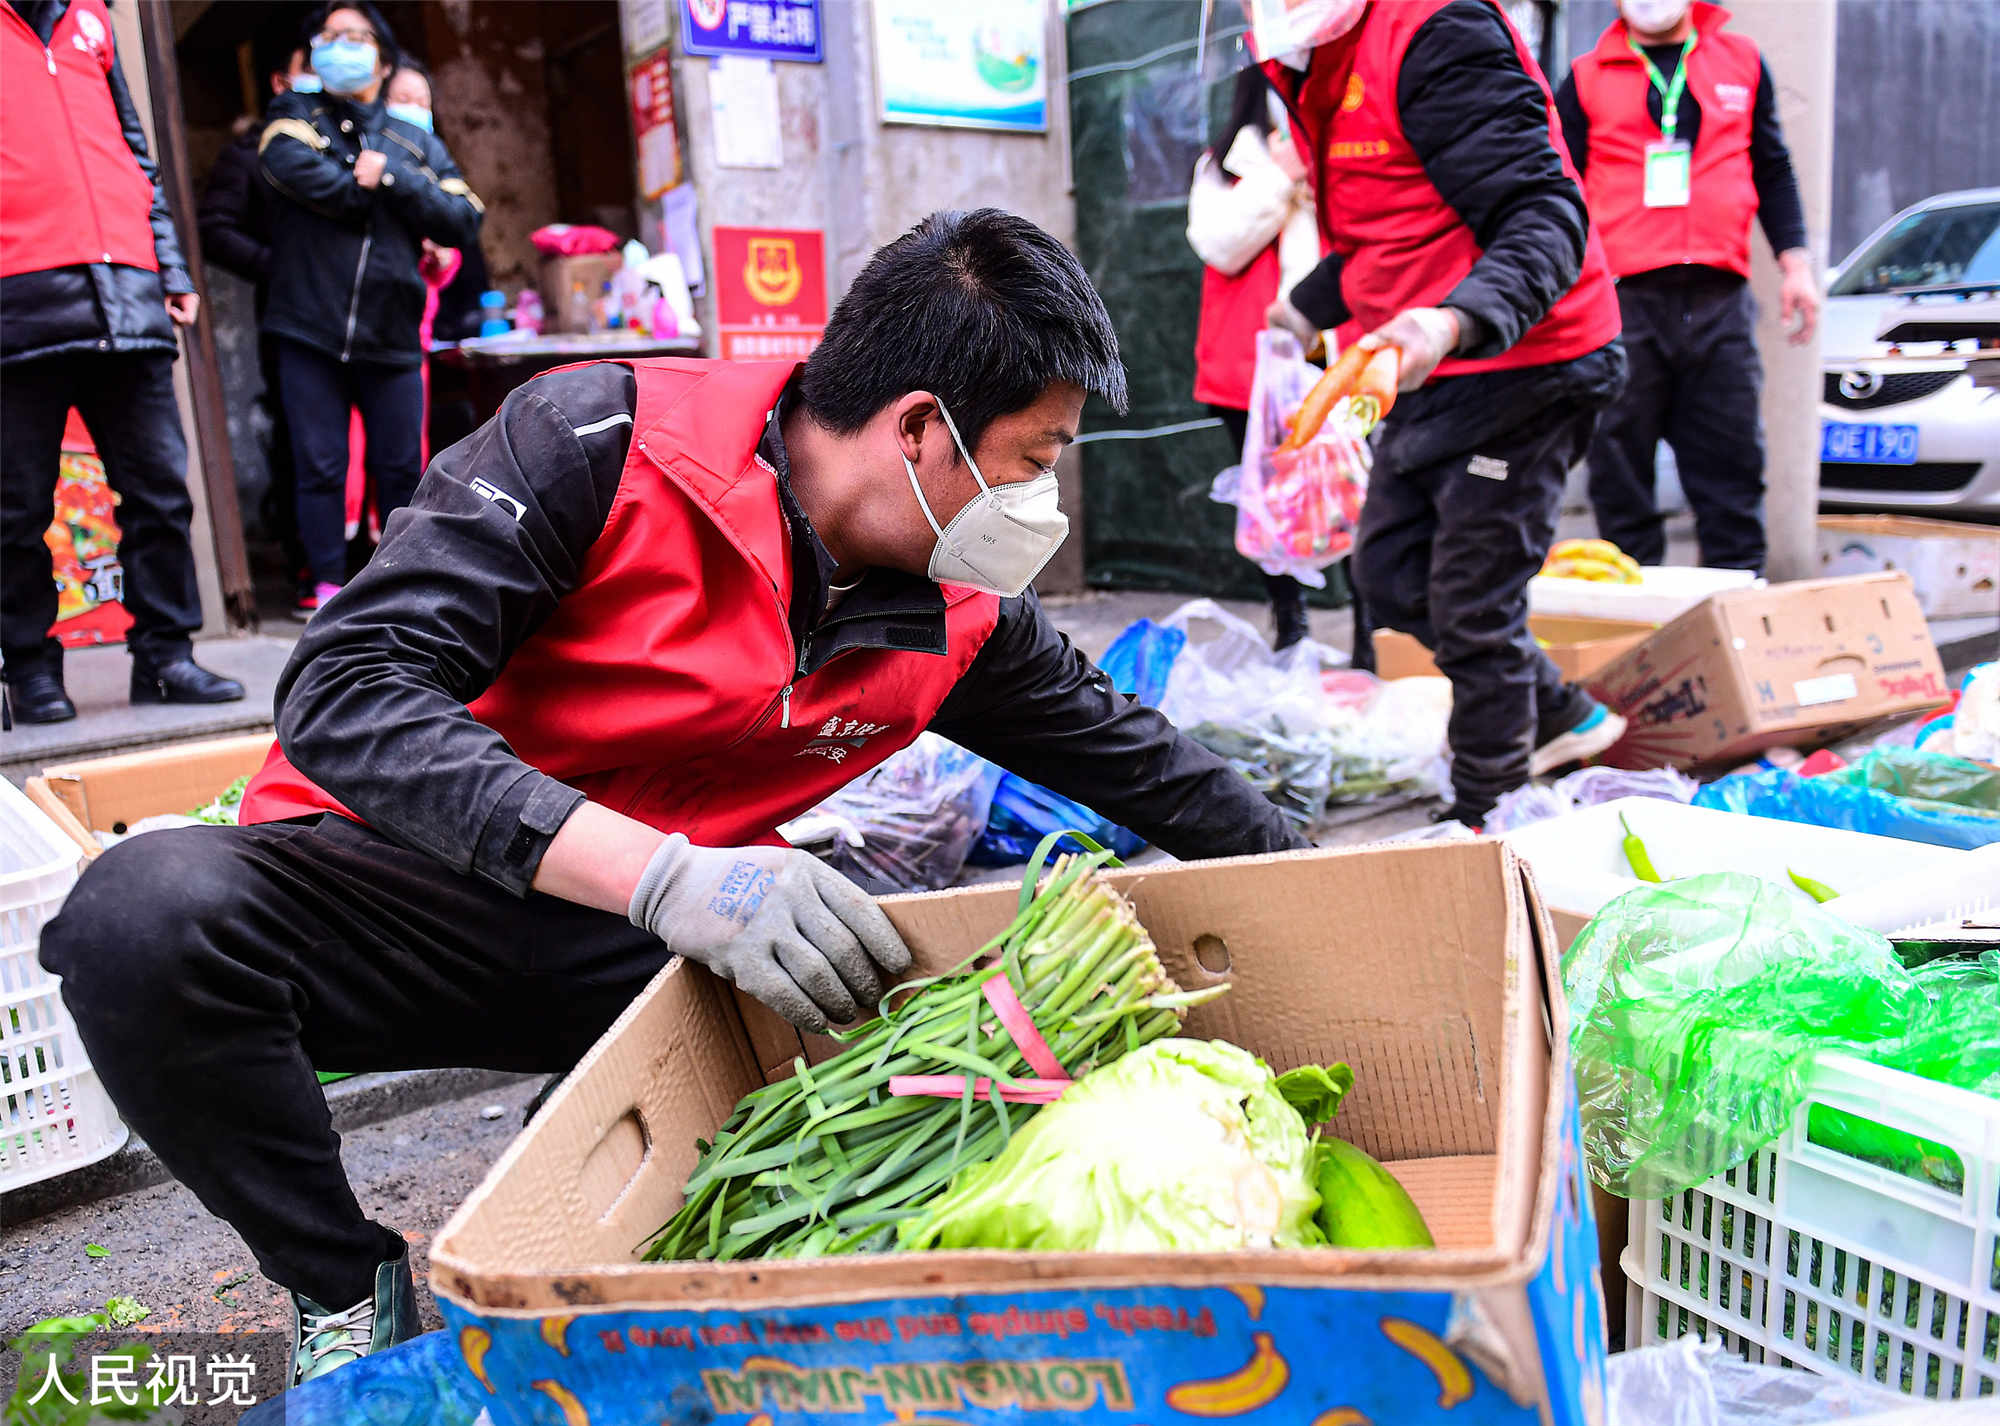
{"points": [[1035, 705], [166, 243], [1576, 124], [1779, 208], [372, 704], [1316, 296], [424, 183], [1479, 122], [226, 215], [295, 158]]}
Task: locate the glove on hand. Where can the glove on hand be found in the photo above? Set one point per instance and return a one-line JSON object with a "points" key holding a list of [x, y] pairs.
{"points": [[775, 922]]}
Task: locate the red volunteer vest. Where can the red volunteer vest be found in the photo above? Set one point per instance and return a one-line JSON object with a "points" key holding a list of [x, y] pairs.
{"points": [[1402, 244], [659, 685], [1714, 228], [70, 190], [1225, 342]]}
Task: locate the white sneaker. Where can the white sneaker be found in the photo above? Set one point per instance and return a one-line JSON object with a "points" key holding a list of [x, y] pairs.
{"points": [[1593, 735]]}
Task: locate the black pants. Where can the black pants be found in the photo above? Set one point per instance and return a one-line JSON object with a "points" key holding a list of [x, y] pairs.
{"points": [[1461, 510], [127, 402], [212, 970], [1694, 382], [318, 391], [1284, 591]]}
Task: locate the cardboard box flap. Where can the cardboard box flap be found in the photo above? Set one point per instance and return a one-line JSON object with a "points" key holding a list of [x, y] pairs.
{"points": [[1428, 981], [109, 794]]}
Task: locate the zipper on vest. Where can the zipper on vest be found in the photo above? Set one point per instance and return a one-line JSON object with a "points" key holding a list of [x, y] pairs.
{"points": [[50, 56]]}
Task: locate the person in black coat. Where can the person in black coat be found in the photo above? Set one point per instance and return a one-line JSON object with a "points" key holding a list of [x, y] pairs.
{"points": [[356, 191]]}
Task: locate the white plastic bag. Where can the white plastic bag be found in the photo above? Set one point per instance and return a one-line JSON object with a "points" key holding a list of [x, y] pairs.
{"points": [[1388, 736], [1262, 712], [1296, 511]]}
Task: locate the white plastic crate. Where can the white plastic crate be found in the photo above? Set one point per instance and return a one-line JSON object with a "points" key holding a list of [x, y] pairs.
{"points": [[1807, 1257], [54, 1116]]}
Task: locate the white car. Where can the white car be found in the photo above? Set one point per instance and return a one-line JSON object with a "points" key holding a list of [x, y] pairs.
{"points": [[1904, 426]]}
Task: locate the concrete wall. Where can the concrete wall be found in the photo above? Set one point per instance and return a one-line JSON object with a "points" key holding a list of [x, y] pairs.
{"points": [[864, 182]]}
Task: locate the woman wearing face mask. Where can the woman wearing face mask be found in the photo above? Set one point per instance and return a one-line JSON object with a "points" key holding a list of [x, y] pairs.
{"points": [[359, 188]]}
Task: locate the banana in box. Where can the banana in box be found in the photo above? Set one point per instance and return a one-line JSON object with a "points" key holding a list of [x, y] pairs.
{"points": [[1432, 983]]}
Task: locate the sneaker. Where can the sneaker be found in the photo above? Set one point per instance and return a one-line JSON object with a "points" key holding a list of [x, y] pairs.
{"points": [[311, 601], [324, 1340], [1599, 729]]}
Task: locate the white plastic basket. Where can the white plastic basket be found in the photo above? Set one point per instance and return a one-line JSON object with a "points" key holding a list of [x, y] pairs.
{"points": [[1808, 1257], [54, 1116]]}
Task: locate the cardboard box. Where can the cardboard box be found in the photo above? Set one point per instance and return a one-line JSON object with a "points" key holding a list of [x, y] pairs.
{"points": [[1798, 664], [1434, 981], [1954, 566], [109, 794], [1578, 647], [570, 284]]}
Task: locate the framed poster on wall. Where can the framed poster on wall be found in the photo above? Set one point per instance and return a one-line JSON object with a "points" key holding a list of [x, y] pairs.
{"points": [[981, 66]]}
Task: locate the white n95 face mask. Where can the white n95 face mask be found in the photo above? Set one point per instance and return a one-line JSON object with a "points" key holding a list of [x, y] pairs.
{"points": [[999, 542]]}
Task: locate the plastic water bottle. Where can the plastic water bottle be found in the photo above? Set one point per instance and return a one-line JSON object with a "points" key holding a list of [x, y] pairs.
{"points": [[528, 312], [493, 314]]}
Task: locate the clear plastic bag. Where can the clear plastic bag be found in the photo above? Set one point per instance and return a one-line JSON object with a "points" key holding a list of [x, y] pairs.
{"points": [[1388, 737], [1586, 787], [1296, 511], [1262, 712], [907, 824], [1695, 1008], [1695, 1383], [1892, 792]]}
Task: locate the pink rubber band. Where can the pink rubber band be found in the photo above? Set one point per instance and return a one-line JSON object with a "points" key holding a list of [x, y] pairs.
{"points": [[952, 1086], [1018, 1023]]}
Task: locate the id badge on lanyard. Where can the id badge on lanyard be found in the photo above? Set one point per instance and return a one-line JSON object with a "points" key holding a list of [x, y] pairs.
{"points": [[1669, 170]]}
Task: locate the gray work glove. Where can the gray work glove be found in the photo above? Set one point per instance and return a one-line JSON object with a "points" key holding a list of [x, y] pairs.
{"points": [[776, 923]]}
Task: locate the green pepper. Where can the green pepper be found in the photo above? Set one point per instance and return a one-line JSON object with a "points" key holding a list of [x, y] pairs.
{"points": [[1636, 854], [1817, 890]]}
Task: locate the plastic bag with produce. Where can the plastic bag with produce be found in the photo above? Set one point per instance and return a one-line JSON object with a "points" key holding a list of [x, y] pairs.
{"points": [[1298, 505], [906, 825]]}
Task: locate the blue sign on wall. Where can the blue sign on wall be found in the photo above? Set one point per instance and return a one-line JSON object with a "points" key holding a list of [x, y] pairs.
{"points": [[763, 29]]}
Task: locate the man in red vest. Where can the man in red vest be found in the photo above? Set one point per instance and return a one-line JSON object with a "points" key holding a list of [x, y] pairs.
{"points": [[643, 616], [1673, 122], [1459, 236], [92, 286]]}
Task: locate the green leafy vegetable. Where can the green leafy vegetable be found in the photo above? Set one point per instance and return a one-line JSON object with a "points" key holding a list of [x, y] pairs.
{"points": [[93, 1250], [1316, 1090], [1182, 1145]]}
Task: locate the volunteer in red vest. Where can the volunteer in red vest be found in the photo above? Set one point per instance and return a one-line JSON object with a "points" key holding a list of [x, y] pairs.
{"points": [[643, 616], [1250, 221], [1673, 122], [1459, 235], [92, 285]]}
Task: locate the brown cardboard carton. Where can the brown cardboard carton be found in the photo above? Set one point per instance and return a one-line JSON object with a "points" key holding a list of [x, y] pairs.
{"points": [[109, 794], [1576, 646], [1798, 664], [570, 284], [1462, 1087]]}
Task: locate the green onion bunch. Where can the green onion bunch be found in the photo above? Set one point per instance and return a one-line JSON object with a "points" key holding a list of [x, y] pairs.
{"points": [[829, 1161]]}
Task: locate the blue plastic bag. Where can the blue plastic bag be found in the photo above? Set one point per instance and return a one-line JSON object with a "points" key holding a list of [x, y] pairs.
{"points": [[1892, 792], [1022, 813]]}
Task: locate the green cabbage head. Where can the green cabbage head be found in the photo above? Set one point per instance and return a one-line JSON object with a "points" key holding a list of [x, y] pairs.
{"points": [[1181, 1145]]}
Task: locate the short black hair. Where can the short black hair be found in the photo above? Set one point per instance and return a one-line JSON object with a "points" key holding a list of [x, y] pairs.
{"points": [[984, 309], [387, 50]]}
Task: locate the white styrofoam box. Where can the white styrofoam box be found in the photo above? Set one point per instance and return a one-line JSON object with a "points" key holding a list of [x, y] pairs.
{"points": [[1931, 901], [1579, 860], [54, 1115], [1954, 567], [1663, 593], [1805, 1256]]}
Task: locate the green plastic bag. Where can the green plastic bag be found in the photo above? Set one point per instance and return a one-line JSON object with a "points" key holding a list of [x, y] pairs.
{"points": [[1696, 1007]]}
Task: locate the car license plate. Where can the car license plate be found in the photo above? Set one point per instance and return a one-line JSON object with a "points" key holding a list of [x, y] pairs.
{"points": [[1857, 443]]}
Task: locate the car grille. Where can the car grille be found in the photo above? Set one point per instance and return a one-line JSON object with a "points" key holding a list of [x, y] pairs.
{"points": [[1897, 387], [1932, 476]]}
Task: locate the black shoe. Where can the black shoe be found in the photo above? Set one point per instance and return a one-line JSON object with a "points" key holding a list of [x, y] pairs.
{"points": [[37, 697], [181, 681]]}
